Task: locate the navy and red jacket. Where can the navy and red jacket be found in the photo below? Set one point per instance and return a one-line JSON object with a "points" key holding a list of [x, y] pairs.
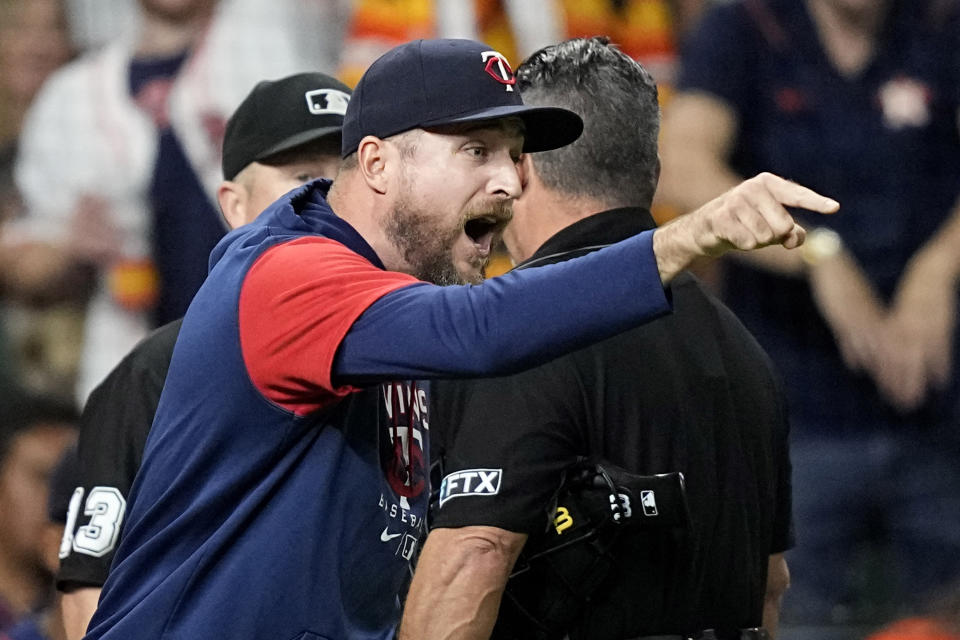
{"points": [[283, 482]]}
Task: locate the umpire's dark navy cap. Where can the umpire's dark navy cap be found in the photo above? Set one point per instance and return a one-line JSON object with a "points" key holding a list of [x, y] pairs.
{"points": [[428, 83], [278, 115]]}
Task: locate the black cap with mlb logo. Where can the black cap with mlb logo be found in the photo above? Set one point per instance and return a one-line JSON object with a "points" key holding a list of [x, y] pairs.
{"points": [[279, 115], [428, 83]]}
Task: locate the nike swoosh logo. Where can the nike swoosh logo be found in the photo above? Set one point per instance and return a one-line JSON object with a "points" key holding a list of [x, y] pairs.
{"points": [[386, 536]]}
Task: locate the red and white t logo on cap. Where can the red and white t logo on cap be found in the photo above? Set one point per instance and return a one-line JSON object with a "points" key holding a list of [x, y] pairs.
{"points": [[503, 73]]}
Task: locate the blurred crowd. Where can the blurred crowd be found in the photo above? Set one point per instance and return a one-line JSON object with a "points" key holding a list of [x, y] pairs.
{"points": [[112, 113]]}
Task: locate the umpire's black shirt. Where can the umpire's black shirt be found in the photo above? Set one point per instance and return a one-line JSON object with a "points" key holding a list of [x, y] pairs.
{"points": [[690, 392], [113, 432]]}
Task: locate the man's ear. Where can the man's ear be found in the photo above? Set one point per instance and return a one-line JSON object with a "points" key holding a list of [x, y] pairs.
{"points": [[372, 160], [232, 197]]}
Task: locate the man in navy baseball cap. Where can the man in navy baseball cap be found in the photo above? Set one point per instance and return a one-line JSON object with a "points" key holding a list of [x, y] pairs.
{"points": [[429, 83], [431, 140]]}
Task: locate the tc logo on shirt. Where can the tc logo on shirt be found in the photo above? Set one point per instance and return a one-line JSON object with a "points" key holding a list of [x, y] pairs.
{"points": [[402, 456], [470, 482]]}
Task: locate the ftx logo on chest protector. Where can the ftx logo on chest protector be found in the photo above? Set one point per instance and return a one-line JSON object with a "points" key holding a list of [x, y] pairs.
{"points": [[470, 482]]}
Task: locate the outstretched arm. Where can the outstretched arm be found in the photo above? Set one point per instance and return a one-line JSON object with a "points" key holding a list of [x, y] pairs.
{"points": [[458, 583], [486, 330], [367, 325]]}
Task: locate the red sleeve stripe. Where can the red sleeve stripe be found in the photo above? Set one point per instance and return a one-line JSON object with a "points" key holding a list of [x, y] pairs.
{"points": [[298, 301]]}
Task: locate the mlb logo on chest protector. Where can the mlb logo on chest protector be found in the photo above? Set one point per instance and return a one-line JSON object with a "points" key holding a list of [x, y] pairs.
{"points": [[470, 482], [321, 101], [649, 501]]}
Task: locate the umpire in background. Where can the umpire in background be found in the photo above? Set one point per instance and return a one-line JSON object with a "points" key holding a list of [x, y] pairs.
{"points": [[691, 392]]}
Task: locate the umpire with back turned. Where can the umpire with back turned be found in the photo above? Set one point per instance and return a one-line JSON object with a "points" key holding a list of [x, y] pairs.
{"points": [[668, 442]]}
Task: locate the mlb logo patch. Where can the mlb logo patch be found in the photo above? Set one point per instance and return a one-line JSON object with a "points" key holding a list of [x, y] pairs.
{"points": [[470, 482], [322, 101], [649, 501]]}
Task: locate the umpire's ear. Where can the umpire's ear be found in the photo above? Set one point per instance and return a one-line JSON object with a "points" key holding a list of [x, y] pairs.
{"points": [[232, 197], [374, 156], [524, 167]]}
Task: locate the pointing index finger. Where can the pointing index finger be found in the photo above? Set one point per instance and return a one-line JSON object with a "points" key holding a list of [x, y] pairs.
{"points": [[792, 194]]}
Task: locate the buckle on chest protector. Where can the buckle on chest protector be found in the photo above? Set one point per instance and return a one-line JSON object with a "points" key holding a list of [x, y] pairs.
{"points": [[597, 505], [648, 502], [597, 500]]}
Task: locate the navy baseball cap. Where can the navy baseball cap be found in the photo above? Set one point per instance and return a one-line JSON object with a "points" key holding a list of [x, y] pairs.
{"points": [[428, 83], [278, 115]]}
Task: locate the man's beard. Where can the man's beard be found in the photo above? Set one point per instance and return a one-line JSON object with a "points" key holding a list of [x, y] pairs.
{"points": [[428, 249]]}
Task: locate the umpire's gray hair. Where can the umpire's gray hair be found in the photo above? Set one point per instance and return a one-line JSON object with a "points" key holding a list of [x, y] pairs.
{"points": [[615, 160]]}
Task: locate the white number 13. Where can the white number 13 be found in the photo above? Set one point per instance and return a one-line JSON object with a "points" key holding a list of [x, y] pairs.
{"points": [[106, 507]]}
